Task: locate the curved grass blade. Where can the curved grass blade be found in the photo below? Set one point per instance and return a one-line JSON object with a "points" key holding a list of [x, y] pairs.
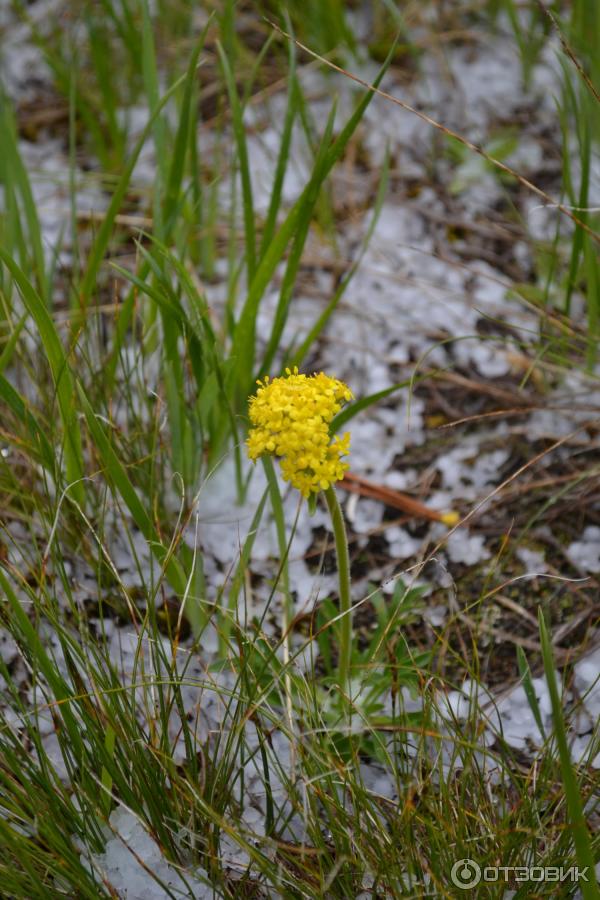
{"points": [[42, 449], [17, 173], [350, 411], [525, 673], [242, 152], [11, 344], [293, 263], [322, 320], [284, 152], [61, 374], [99, 247], [117, 475], [177, 167]]}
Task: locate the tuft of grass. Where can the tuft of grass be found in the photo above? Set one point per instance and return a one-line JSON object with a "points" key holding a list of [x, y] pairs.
{"points": [[126, 735]]}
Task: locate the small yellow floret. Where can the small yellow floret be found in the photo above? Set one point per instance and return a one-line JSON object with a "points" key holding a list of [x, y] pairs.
{"points": [[290, 418], [450, 519]]}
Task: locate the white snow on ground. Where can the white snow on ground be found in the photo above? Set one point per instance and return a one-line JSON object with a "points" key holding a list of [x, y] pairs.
{"points": [[134, 865], [22, 64], [513, 718], [585, 553]]}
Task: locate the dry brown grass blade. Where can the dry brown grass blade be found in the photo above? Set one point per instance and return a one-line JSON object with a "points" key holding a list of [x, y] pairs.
{"points": [[447, 131], [570, 53]]}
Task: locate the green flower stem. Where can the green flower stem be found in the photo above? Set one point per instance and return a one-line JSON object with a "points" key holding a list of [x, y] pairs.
{"points": [[278, 515], [343, 561], [288, 605]]}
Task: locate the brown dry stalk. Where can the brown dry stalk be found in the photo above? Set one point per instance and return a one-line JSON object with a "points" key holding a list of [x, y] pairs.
{"points": [[570, 53], [356, 484], [491, 390]]}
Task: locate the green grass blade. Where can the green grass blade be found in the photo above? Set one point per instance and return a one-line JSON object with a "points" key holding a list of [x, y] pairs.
{"points": [[61, 373], [163, 302], [295, 256], [317, 328], [353, 409], [244, 163], [529, 689], [104, 233], [284, 152], [118, 477], [105, 777], [182, 139], [19, 178], [578, 825], [11, 344], [159, 124], [585, 147], [243, 350]]}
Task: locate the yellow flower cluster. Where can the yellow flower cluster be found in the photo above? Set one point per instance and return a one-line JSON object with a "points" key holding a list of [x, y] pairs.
{"points": [[290, 418]]}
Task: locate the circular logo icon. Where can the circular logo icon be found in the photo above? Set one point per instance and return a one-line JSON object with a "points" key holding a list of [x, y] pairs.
{"points": [[465, 874]]}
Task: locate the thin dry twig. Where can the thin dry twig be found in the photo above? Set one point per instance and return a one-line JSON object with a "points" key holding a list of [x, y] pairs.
{"points": [[445, 130], [499, 488], [570, 53], [491, 390]]}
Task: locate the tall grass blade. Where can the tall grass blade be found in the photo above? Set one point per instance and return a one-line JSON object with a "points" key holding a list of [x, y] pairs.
{"points": [[117, 475], [182, 138], [61, 374], [15, 174], [98, 249], [237, 117], [243, 349], [284, 152], [577, 821], [317, 328]]}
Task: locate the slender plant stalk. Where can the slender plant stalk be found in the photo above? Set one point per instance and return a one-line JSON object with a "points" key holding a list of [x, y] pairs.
{"points": [[343, 561], [288, 611]]}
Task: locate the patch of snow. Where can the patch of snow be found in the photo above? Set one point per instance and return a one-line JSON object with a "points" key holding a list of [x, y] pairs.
{"points": [[587, 682], [466, 548], [484, 84], [489, 360], [518, 721], [367, 515], [436, 615], [401, 544], [533, 560], [22, 63], [8, 648], [585, 553], [461, 703], [134, 866]]}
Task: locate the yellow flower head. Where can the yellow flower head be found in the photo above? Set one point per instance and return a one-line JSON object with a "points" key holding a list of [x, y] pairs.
{"points": [[290, 418]]}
